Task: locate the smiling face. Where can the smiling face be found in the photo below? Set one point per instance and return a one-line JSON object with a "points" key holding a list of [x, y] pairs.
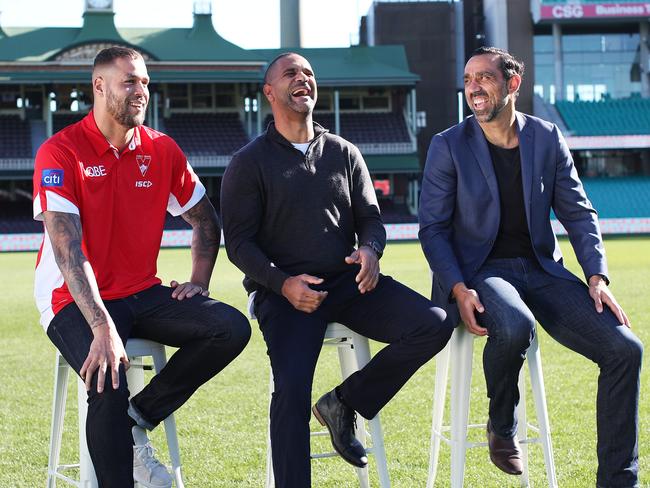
{"points": [[290, 85], [486, 90], [123, 88]]}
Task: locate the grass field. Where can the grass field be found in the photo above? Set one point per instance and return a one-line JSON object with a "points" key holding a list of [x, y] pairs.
{"points": [[222, 428]]}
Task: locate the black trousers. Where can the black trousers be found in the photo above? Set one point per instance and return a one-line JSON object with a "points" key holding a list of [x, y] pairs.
{"points": [[209, 335], [412, 327]]}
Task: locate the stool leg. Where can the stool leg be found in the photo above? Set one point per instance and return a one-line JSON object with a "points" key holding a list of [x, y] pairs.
{"points": [[159, 362], [87, 477], [362, 351], [522, 427], [270, 478], [349, 364], [539, 394], [462, 348], [58, 415], [440, 392]]}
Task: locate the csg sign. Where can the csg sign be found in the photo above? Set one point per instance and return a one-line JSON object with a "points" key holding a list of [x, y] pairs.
{"points": [[52, 177], [570, 11]]}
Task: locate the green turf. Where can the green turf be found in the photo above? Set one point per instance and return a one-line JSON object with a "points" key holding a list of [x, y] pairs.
{"points": [[222, 428]]}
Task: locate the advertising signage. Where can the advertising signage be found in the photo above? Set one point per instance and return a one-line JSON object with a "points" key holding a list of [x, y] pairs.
{"points": [[577, 11]]}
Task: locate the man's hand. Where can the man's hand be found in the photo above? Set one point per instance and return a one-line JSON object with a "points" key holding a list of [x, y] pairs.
{"points": [[600, 293], [369, 274], [296, 290], [469, 303], [106, 350], [187, 290]]}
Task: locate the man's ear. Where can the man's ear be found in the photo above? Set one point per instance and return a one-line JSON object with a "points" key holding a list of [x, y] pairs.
{"points": [[268, 93], [98, 85], [514, 83]]}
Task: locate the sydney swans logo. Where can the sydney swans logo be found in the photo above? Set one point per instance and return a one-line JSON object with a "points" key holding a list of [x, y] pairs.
{"points": [[143, 163]]}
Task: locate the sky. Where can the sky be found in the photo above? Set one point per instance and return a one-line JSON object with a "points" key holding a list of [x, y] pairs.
{"points": [[248, 23]]}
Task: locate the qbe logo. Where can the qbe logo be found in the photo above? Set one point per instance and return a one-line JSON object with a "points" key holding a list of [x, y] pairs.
{"points": [[52, 177]]}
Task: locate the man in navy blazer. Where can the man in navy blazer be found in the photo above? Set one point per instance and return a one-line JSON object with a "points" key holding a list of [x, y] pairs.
{"points": [[489, 185]]}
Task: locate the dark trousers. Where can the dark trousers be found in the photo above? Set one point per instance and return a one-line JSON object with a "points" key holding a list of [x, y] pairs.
{"points": [[516, 292], [209, 335], [392, 313]]}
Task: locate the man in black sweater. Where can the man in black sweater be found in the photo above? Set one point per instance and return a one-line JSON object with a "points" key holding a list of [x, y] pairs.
{"points": [[295, 201]]}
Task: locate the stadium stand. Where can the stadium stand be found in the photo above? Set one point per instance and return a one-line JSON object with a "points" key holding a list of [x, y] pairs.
{"points": [[619, 197], [61, 121], [15, 137], [366, 127], [624, 116], [204, 134]]}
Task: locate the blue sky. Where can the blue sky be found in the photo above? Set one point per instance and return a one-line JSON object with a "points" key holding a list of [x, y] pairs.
{"points": [[248, 23]]}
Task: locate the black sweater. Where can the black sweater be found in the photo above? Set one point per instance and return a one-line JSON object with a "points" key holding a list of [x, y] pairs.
{"points": [[285, 213]]}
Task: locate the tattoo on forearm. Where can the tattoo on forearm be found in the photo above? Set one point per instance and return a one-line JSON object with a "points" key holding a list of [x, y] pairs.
{"points": [[65, 234], [207, 231]]}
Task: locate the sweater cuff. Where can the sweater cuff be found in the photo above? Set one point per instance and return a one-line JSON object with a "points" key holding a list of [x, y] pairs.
{"points": [[276, 280]]}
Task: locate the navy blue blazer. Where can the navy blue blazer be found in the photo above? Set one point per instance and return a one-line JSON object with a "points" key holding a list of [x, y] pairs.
{"points": [[459, 210]]}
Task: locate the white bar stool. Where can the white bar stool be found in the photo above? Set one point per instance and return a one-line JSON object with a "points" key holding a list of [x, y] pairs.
{"points": [[354, 354], [461, 347], [136, 349]]}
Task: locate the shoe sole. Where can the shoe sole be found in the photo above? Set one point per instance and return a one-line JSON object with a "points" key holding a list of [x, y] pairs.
{"points": [[320, 419], [505, 471]]}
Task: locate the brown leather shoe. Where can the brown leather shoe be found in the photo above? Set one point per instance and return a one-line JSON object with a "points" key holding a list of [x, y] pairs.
{"points": [[504, 453]]}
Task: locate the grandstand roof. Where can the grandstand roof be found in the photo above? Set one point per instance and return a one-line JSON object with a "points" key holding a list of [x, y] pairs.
{"points": [[196, 54]]}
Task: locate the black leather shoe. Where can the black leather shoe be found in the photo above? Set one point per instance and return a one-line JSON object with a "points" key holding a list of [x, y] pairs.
{"points": [[505, 453], [339, 420]]}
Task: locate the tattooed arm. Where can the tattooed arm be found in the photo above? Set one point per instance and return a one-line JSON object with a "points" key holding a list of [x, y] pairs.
{"points": [[206, 237], [106, 349]]}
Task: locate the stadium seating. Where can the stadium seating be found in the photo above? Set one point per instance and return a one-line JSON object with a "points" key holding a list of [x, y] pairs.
{"points": [[363, 128], [619, 197], [15, 137], [207, 134], [61, 121], [625, 116]]}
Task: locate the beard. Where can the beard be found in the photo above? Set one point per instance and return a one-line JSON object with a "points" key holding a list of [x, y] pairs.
{"points": [[300, 107], [490, 114], [120, 111]]}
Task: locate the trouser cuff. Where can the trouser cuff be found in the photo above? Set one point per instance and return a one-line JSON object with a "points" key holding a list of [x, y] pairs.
{"points": [[136, 415]]}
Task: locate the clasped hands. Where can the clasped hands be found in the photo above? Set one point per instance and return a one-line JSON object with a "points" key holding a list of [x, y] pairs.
{"points": [[297, 289]]}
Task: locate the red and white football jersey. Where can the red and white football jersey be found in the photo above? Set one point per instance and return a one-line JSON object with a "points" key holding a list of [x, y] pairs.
{"points": [[121, 200]]}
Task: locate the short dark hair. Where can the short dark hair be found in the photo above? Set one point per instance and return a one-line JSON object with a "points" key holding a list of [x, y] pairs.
{"points": [[508, 64], [275, 60], [110, 54]]}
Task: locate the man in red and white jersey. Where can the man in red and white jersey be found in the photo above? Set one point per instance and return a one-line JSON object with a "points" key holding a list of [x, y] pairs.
{"points": [[102, 187]]}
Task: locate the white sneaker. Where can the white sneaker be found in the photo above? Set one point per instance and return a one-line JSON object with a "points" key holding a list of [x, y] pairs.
{"points": [[147, 470]]}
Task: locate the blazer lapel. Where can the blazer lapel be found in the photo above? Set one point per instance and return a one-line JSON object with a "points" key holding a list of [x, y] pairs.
{"points": [[478, 146], [526, 150]]}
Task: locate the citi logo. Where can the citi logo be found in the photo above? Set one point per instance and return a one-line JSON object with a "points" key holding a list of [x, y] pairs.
{"points": [[143, 184], [95, 171], [52, 177]]}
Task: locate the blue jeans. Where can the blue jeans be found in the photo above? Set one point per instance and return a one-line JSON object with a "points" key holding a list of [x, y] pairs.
{"points": [[515, 293], [409, 323], [209, 335]]}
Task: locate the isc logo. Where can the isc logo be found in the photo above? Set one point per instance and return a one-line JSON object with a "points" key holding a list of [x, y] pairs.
{"points": [[143, 184], [52, 177]]}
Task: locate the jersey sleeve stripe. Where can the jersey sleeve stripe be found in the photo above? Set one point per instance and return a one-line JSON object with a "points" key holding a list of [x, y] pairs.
{"points": [[176, 209], [47, 278], [54, 203]]}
